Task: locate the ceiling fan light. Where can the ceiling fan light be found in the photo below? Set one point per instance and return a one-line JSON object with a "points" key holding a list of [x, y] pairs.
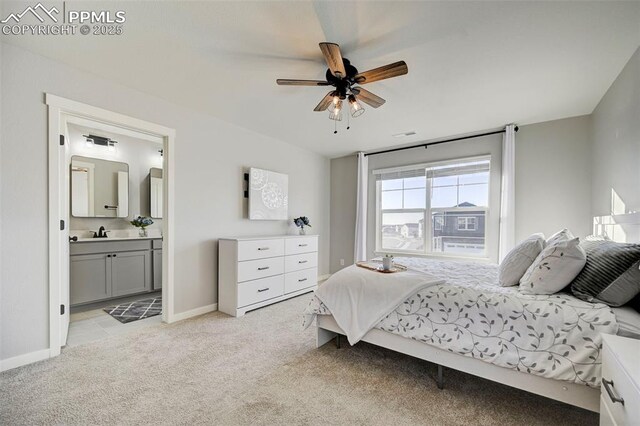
{"points": [[356, 110], [335, 102], [336, 114]]}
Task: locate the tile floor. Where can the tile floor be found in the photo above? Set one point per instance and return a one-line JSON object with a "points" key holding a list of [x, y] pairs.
{"points": [[95, 324]]}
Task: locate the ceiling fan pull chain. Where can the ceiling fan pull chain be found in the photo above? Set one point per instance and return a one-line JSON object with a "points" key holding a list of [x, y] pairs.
{"points": [[335, 126], [348, 125]]}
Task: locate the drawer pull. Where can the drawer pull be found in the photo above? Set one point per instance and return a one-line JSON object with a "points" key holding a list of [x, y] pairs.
{"points": [[302, 261], [302, 245], [263, 248], [263, 268], [302, 280], [260, 290], [608, 385]]}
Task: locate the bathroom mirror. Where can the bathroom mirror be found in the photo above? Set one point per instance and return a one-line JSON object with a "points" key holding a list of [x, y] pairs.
{"points": [[155, 179], [99, 188]]}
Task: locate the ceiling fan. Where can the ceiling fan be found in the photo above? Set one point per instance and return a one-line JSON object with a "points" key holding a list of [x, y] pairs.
{"points": [[346, 80]]}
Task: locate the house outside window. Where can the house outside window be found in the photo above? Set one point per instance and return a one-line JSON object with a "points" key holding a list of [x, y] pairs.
{"points": [[437, 209]]}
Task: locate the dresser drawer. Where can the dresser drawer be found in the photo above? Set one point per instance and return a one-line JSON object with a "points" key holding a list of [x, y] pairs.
{"points": [[301, 245], [294, 281], [260, 249], [251, 292], [300, 261], [622, 387], [255, 269]]}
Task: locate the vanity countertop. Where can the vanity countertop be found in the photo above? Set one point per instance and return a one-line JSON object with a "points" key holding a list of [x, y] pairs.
{"points": [[101, 240], [86, 236]]}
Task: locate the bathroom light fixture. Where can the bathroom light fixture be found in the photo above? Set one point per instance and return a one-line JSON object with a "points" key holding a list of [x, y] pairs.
{"points": [[93, 140]]}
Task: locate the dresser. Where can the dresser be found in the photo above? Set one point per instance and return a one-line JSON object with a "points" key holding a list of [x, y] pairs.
{"points": [[620, 388], [255, 272]]}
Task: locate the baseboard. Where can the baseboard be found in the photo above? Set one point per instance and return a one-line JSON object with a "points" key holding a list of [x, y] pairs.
{"points": [[20, 360], [194, 312]]}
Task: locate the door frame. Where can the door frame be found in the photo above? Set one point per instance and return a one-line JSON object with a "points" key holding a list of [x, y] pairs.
{"points": [[59, 111]]}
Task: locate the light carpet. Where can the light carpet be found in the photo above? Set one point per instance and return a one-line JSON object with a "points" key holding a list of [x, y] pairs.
{"points": [[259, 369]]}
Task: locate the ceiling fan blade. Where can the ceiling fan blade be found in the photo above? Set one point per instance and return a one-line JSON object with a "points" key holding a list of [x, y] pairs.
{"points": [[367, 97], [387, 71], [325, 102], [288, 82], [332, 55]]}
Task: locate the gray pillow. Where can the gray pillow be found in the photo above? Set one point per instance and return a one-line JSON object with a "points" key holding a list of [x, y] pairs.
{"points": [[602, 278], [518, 260], [623, 289]]}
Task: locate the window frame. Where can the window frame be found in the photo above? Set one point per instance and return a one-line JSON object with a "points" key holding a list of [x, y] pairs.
{"points": [[428, 212], [466, 223]]}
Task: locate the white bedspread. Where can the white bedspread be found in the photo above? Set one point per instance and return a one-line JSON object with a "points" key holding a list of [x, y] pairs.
{"points": [[554, 336], [359, 298]]}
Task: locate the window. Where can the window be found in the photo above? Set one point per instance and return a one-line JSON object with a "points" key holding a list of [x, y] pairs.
{"points": [[438, 208], [438, 223], [466, 224]]}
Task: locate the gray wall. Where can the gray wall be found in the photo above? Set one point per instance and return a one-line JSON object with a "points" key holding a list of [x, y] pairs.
{"points": [[210, 157], [344, 182], [553, 177], [553, 184], [616, 143]]}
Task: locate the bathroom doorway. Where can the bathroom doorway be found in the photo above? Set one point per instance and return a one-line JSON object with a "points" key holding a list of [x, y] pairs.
{"points": [[101, 166], [115, 268]]}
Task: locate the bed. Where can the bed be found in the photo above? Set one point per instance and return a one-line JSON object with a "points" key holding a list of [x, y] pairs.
{"points": [[549, 345]]}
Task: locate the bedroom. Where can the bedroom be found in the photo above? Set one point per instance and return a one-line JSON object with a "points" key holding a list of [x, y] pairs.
{"points": [[565, 73]]}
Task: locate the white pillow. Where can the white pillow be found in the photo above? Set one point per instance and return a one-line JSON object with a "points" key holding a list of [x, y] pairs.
{"points": [[554, 268], [562, 235], [518, 260]]}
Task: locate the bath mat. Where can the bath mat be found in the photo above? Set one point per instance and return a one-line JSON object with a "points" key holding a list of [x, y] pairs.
{"points": [[134, 311]]}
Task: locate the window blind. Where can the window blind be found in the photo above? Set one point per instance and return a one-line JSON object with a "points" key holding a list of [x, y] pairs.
{"points": [[436, 169], [458, 169], [401, 174]]}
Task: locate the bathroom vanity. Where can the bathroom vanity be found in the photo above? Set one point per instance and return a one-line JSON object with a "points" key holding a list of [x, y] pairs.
{"points": [[103, 268]]}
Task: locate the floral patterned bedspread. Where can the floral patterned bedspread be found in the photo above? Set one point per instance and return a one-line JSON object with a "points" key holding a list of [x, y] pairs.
{"points": [[554, 336]]}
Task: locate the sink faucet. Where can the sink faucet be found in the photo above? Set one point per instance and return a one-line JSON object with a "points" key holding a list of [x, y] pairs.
{"points": [[102, 233]]}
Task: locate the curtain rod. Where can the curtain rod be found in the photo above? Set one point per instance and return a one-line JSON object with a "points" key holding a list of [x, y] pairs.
{"points": [[426, 145]]}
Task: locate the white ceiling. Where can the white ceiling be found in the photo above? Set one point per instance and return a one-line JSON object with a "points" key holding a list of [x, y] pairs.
{"points": [[472, 65]]}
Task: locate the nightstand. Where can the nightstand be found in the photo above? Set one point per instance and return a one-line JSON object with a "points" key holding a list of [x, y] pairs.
{"points": [[620, 389]]}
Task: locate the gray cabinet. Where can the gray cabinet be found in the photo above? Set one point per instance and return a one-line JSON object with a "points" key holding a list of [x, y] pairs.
{"points": [[105, 269], [157, 269], [90, 278], [130, 272]]}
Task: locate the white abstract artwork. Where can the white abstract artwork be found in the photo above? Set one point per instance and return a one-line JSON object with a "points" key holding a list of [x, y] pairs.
{"points": [[268, 195]]}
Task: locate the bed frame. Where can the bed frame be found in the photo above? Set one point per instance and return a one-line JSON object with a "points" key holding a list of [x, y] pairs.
{"points": [[570, 393]]}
